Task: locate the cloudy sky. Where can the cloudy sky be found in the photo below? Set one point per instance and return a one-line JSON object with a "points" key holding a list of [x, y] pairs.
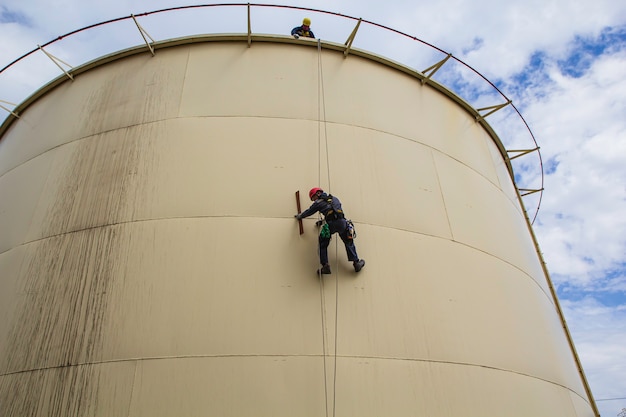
{"points": [[562, 63]]}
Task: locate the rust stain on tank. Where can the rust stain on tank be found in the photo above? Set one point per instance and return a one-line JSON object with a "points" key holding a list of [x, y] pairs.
{"points": [[66, 278]]}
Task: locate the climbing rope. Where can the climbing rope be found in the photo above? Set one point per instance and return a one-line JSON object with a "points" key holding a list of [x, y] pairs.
{"points": [[322, 304], [321, 120], [319, 273]]}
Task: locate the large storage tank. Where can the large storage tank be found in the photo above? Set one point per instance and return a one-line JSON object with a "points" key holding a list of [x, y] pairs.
{"points": [[151, 265]]}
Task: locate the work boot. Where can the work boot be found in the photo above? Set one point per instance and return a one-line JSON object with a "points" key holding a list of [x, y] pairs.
{"points": [[358, 265], [325, 269]]}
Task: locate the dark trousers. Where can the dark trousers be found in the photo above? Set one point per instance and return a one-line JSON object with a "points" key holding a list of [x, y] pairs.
{"points": [[339, 226]]}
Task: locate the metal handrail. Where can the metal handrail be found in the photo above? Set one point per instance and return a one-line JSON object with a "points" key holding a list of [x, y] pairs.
{"points": [[448, 55]]}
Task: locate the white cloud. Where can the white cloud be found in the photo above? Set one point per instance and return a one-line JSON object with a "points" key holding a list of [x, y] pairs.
{"points": [[599, 334], [582, 227], [508, 32]]}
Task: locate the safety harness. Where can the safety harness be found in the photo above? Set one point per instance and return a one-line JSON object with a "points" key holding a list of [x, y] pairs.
{"points": [[334, 212]]}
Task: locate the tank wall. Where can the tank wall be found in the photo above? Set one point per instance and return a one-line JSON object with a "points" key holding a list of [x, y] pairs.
{"points": [[150, 257]]}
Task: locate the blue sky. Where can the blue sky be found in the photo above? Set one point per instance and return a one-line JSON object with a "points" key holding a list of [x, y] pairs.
{"points": [[10, 16], [561, 62]]}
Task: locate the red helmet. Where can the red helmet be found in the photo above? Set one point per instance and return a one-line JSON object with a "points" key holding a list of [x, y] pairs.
{"points": [[313, 191]]}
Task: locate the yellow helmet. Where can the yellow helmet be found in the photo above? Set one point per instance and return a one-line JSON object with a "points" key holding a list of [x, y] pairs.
{"points": [[306, 21]]}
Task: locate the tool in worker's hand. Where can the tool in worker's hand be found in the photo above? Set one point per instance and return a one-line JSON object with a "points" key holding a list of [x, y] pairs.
{"points": [[299, 211]]}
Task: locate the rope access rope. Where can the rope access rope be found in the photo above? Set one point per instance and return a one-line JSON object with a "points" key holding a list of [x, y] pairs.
{"points": [[322, 304], [321, 118], [319, 272]]}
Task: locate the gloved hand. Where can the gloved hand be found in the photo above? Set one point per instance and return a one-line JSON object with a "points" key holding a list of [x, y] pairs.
{"points": [[295, 35], [297, 216]]}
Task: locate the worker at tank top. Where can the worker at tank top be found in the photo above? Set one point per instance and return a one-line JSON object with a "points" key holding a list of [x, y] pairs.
{"points": [[304, 30]]}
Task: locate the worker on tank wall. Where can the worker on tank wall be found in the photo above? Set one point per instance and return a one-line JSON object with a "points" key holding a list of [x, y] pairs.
{"points": [[335, 222]]}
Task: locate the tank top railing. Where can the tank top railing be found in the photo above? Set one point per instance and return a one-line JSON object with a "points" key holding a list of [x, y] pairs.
{"points": [[23, 76]]}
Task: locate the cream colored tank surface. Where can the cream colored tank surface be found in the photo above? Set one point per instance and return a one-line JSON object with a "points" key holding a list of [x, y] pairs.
{"points": [[151, 264]]}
